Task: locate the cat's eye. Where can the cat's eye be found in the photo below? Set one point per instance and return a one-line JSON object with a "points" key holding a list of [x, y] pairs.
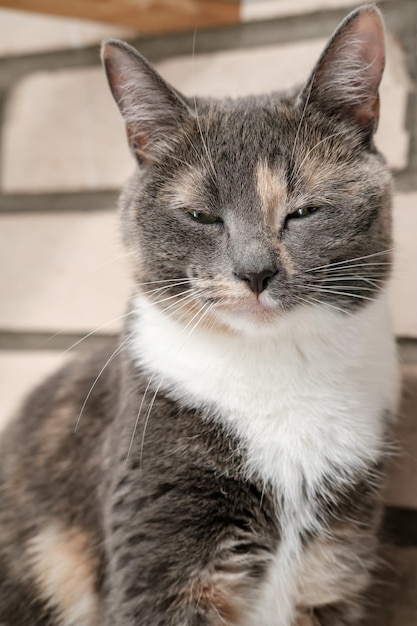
{"points": [[204, 218], [303, 211]]}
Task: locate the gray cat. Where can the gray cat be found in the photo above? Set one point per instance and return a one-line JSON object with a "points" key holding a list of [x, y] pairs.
{"points": [[228, 457]]}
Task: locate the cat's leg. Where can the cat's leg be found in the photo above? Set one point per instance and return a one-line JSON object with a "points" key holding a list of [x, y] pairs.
{"points": [[163, 589], [185, 553], [144, 592]]}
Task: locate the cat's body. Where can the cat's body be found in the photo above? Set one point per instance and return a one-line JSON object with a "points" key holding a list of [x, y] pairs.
{"points": [[228, 457]]}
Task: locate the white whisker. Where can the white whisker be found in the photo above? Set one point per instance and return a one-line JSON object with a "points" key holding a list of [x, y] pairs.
{"points": [[209, 158], [177, 306], [343, 268], [111, 357], [120, 317], [186, 313], [165, 287], [320, 303], [147, 389], [302, 117], [212, 169], [188, 165], [352, 277], [176, 295], [167, 280], [353, 287], [148, 413], [138, 415], [343, 293], [92, 332], [115, 259], [358, 258]]}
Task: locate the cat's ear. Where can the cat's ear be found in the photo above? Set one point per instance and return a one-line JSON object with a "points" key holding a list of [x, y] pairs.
{"points": [[346, 78], [151, 108]]}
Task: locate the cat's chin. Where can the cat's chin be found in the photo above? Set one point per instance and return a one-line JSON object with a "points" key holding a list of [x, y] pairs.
{"points": [[252, 320]]}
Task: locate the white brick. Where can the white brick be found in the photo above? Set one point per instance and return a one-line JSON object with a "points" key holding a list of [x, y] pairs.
{"points": [[264, 9], [64, 272], [22, 32], [404, 283], [63, 131]]}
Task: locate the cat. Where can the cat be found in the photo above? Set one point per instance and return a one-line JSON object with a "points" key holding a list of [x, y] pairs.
{"points": [[222, 462]]}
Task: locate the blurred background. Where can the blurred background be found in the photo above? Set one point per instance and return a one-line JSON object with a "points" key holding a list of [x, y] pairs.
{"points": [[63, 158]]}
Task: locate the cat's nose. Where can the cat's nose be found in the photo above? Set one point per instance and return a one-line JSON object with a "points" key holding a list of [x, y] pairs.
{"points": [[257, 281]]}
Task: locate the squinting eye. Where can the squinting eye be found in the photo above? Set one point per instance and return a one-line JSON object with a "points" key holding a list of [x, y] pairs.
{"points": [[204, 218], [303, 211]]}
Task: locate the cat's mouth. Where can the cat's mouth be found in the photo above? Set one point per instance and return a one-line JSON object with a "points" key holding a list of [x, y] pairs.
{"points": [[249, 313]]}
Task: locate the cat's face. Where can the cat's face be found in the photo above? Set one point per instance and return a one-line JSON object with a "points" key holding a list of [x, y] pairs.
{"points": [[250, 208]]}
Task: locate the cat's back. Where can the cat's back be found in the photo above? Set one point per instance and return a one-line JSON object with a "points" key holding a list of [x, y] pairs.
{"points": [[62, 423], [50, 459]]}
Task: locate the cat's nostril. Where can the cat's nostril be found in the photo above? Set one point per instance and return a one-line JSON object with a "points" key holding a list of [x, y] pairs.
{"points": [[257, 281]]}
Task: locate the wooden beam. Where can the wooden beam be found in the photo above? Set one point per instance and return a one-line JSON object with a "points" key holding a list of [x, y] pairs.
{"points": [[144, 16]]}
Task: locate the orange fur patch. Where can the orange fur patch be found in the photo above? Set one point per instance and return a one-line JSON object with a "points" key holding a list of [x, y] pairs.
{"points": [[55, 428], [65, 573], [286, 259], [272, 190]]}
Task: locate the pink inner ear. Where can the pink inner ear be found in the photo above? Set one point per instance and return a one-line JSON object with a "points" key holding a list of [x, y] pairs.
{"points": [[347, 76], [369, 32], [138, 142], [151, 109], [114, 62]]}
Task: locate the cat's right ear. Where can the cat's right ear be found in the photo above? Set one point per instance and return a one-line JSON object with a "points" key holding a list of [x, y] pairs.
{"points": [[151, 108]]}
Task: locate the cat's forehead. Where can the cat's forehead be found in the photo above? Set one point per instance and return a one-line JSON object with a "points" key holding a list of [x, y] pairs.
{"points": [[267, 152], [274, 130]]}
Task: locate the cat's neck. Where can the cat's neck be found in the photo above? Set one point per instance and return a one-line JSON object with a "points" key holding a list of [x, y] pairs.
{"points": [[308, 335], [320, 380], [317, 342]]}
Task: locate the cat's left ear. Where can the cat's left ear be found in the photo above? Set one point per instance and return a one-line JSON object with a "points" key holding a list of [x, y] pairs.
{"points": [[346, 78], [153, 111]]}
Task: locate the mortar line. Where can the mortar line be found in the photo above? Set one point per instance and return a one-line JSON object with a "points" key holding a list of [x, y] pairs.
{"points": [[59, 202], [48, 340], [41, 340]]}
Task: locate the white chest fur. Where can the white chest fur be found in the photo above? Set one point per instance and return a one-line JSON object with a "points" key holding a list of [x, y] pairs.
{"points": [[307, 397]]}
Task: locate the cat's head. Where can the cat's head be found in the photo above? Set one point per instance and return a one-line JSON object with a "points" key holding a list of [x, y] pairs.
{"points": [[249, 208]]}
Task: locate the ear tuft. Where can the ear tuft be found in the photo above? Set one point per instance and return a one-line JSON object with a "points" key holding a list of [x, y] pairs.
{"points": [[151, 108], [346, 78]]}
